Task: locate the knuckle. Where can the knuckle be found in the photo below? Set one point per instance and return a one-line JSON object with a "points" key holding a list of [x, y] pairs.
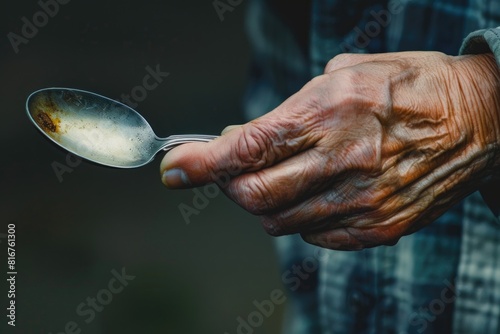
{"points": [[271, 226], [253, 148], [316, 81], [252, 194], [338, 61], [363, 95], [351, 78], [349, 97], [267, 141]]}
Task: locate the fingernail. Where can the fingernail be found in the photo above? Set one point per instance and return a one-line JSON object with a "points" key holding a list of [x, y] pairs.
{"points": [[175, 178]]}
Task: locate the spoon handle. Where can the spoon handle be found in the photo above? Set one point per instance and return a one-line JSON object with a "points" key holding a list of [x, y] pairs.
{"points": [[176, 140]]}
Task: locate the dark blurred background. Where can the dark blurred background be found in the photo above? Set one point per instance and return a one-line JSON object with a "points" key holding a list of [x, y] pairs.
{"points": [[189, 278]]}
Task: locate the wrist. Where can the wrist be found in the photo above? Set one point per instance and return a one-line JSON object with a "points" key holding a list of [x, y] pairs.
{"points": [[478, 80]]}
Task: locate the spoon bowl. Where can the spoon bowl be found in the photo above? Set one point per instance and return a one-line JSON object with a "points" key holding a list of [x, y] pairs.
{"points": [[98, 128]]}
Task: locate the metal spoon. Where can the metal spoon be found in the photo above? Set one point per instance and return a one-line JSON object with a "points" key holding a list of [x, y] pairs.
{"points": [[99, 129]]}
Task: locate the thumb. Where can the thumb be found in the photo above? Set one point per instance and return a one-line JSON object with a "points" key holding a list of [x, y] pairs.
{"points": [[249, 147]]}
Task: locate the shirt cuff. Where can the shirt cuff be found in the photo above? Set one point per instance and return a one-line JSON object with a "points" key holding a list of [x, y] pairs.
{"points": [[479, 42], [482, 41]]}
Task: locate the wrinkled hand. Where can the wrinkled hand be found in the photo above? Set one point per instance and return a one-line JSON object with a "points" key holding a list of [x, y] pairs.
{"points": [[376, 148]]}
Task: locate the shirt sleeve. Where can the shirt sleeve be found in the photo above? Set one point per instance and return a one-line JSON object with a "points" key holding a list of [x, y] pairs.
{"points": [[479, 42]]}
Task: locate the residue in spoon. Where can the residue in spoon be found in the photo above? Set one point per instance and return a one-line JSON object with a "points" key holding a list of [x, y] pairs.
{"points": [[45, 122]]}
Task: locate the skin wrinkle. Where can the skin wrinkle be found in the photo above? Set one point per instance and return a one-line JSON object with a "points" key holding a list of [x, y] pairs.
{"points": [[276, 189], [445, 173], [480, 101], [493, 68], [456, 135], [424, 155], [310, 110], [425, 123], [310, 208], [367, 153], [259, 190], [388, 210], [344, 198], [365, 223], [313, 209], [426, 199], [341, 192], [285, 137], [251, 153], [252, 195], [358, 154], [468, 116]]}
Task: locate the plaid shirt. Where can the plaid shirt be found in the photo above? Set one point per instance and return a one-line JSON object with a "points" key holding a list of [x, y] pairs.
{"points": [[442, 279]]}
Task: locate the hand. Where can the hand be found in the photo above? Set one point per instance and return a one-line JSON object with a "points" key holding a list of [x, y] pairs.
{"points": [[376, 148]]}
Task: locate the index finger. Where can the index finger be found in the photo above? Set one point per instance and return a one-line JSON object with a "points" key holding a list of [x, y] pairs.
{"points": [[253, 146]]}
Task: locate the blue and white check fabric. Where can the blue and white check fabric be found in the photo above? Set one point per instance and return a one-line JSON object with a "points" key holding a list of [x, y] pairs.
{"points": [[442, 279]]}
